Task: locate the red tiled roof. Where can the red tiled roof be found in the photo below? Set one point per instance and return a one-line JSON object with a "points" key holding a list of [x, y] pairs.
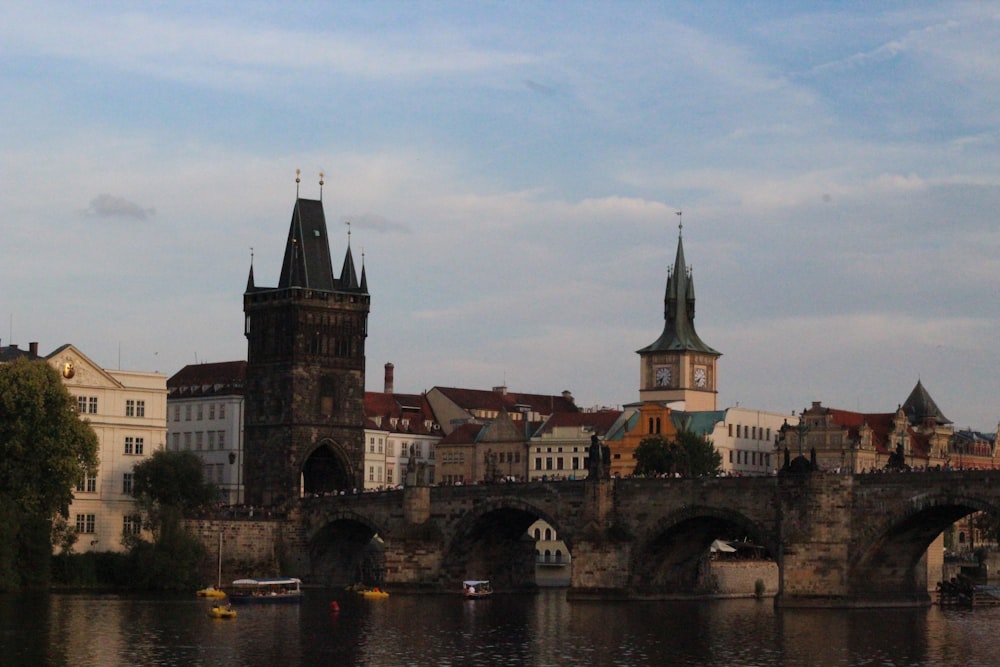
{"points": [[224, 377], [466, 434], [481, 399], [600, 421]]}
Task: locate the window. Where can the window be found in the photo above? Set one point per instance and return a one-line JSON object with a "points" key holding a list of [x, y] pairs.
{"points": [[133, 445], [201, 412], [92, 405], [198, 438], [130, 408], [187, 413], [371, 473], [211, 440], [81, 404], [86, 523], [176, 441], [131, 524], [134, 408], [222, 410], [87, 484], [187, 441], [538, 463], [222, 439], [211, 411], [177, 413], [127, 483], [418, 449], [548, 463]]}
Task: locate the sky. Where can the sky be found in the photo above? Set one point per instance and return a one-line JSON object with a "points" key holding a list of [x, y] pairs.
{"points": [[511, 172]]}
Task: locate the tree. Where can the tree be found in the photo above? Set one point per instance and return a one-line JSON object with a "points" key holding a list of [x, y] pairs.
{"points": [[688, 455], [45, 448], [167, 486], [171, 483]]}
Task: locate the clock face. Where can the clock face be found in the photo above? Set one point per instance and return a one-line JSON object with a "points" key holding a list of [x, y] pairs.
{"points": [[663, 376], [700, 377]]}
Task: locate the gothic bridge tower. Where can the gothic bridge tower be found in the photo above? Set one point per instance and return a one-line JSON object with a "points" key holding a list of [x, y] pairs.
{"points": [[305, 381], [678, 366]]}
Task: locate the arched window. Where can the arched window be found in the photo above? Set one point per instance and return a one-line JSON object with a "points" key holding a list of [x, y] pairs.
{"points": [[538, 534], [548, 556], [548, 533], [558, 555]]}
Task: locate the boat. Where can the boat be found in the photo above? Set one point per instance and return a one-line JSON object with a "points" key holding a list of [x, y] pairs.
{"points": [[216, 590], [270, 590], [221, 611], [372, 593], [211, 592], [475, 589]]}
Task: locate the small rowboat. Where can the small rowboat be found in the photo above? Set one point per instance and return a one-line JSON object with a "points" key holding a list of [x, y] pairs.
{"points": [[220, 611]]}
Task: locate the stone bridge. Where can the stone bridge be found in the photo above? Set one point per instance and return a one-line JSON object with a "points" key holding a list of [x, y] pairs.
{"points": [[837, 540]]}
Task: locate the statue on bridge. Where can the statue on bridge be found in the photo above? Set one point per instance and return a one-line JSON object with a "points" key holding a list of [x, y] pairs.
{"points": [[599, 459]]}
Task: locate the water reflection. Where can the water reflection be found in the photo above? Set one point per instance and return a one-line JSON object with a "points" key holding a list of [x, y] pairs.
{"points": [[506, 630]]}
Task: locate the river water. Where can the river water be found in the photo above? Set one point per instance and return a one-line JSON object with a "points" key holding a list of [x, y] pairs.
{"points": [[543, 629]]}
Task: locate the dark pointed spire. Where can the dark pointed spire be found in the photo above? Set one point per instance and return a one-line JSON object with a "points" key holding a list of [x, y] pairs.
{"points": [[678, 308], [348, 276], [920, 407], [250, 285], [307, 252], [364, 278]]}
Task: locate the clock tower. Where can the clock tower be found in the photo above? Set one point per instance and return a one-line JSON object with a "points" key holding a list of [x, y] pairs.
{"points": [[678, 366]]}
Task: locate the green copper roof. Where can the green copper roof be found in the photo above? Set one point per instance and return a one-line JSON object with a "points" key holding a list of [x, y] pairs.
{"points": [[678, 312]]}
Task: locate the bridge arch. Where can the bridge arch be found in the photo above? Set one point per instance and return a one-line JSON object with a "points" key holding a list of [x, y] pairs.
{"points": [[345, 548], [492, 542], [671, 557], [888, 555]]}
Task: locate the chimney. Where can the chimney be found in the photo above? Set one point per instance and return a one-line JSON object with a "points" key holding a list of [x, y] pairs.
{"points": [[33, 348], [388, 377], [569, 397]]}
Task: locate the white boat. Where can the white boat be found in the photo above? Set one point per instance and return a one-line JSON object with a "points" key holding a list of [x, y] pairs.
{"points": [[477, 588], [272, 590]]}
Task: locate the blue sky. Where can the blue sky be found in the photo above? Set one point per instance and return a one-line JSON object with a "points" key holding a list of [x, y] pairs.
{"points": [[511, 172]]}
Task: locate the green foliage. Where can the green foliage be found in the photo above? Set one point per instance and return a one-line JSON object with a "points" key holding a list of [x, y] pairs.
{"points": [[172, 562], [688, 455], [167, 486], [44, 446], [170, 483]]}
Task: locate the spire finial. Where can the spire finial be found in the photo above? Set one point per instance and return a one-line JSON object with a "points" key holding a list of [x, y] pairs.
{"points": [[348, 223], [321, 186], [251, 257], [297, 181], [680, 224]]}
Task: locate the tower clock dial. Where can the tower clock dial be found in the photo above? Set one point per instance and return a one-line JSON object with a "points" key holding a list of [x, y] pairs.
{"points": [[700, 377], [663, 376]]}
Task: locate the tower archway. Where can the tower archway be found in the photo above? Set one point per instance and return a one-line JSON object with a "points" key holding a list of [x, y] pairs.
{"points": [[327, 470]]}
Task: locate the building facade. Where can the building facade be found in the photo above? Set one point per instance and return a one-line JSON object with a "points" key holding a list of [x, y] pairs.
{"points": [[559, 449], [205, 416], [399, 428], [128, 412], [305, 380]]}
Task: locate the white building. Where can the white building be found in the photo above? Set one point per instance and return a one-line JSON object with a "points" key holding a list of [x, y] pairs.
{"points": [[396, 426], [127, 410], [743, 437], [205, 416]]}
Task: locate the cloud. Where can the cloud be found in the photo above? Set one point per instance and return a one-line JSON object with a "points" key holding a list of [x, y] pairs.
{"points": [[108, 206], [377, 223]]}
